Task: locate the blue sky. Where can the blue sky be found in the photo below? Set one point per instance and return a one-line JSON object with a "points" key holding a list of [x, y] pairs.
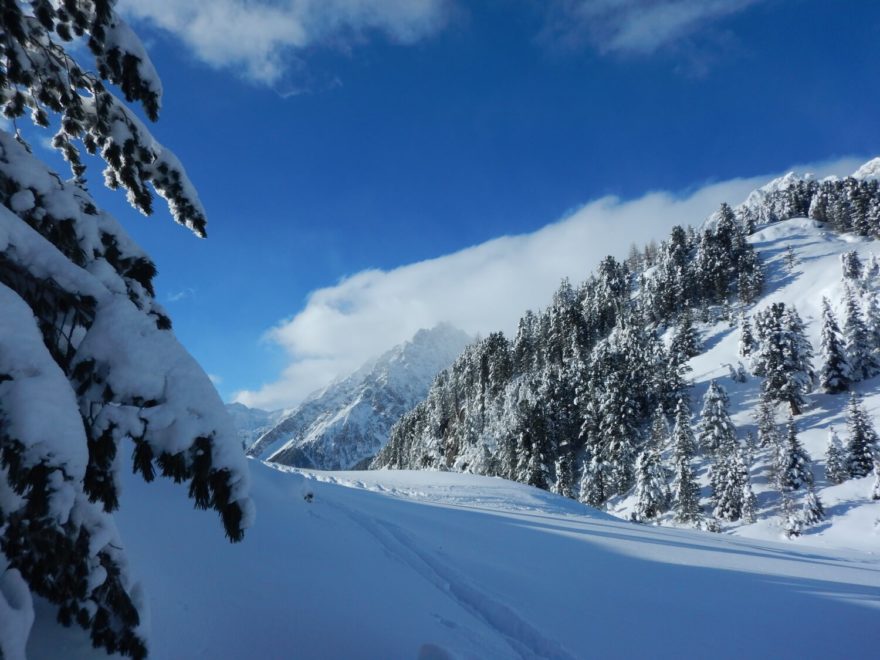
{"points": [[421, 129]]}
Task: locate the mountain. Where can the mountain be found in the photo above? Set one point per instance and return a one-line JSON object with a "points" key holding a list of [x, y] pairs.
{"points": [[347, 423], [435, 565], [251, 423], [585, 398]]}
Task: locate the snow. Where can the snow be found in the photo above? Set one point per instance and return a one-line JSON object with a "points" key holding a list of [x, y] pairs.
{"points": [[851, 514], [445, 565], [870, 170], [349, 421]]}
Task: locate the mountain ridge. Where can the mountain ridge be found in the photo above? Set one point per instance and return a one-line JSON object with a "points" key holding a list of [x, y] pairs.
{"points": [[347, 422]]}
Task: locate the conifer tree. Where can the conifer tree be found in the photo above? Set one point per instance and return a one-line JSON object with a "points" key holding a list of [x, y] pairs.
{"points": [[686, 341], [860, 354], [875, 491], [793, 465], [727, 487], [851, 265], [565, 471], [813, 511], [862, 439], [836, 471], [749, 501], [83, 342], [684, 446], [785, 356], [792, 525], [872, 323], [652, 489], [716, 429], [834, 375], [592, 486], [747, 342], [765, 416]]}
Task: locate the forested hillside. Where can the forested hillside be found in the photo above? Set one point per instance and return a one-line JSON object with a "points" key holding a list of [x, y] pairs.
{"points": [[617, 393]]}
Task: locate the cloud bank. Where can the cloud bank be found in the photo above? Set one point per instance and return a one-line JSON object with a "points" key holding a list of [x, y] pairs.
{"points": [[260, 39], [636, 26], [479, 289]]}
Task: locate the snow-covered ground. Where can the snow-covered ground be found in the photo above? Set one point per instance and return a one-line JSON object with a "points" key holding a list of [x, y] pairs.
{"points": [[435, 565]]}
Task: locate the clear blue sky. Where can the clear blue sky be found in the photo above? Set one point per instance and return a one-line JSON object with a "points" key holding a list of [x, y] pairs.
{"points": [[485, 125]]}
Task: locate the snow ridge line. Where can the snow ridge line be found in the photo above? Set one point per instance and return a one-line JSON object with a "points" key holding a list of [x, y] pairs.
{"points": [[524, 638]]}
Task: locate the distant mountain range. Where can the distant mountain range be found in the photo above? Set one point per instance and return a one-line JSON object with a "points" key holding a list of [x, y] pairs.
{"points": [[344, 425]]}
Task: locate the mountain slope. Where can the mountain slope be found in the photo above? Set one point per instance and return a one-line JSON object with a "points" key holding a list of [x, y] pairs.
{"points": [[251, 423], [451, 566], [348, 422], [569, 403]]}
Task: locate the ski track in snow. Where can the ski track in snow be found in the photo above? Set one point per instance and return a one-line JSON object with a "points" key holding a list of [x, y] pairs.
{"points": [[525, 639]]}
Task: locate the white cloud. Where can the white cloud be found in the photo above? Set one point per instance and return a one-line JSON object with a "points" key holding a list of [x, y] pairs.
{"points": [[183, 294], [637, 26], [260, 38], [214, 378], [479, 289]]}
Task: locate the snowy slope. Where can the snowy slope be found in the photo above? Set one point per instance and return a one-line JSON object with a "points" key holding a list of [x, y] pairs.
{"points": [[443, 565], [348, 422], [851, 512]]}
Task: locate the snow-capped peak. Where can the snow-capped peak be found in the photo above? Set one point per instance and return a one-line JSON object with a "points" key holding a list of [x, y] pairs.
{"points": [[347, 422]]}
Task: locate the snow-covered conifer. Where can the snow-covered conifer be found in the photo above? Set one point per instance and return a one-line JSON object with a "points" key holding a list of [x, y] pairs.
{"points": [[684, 445], [686, 341], [592, 488], [862, 440], [834, 375], [860, 354], [836, 471], [875, 491], [652, 489], [89, 368], [793, 466], [749, 501], [716, 430], [851, 265], [792, 524], [564, 471], [872, 323], [727, 487], [765, 417], [813, 511], [747, 341]]}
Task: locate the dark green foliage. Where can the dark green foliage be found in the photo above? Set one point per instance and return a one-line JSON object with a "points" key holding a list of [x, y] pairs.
{"points": [[862, 442]]}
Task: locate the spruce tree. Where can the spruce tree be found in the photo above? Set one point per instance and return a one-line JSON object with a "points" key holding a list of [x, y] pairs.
{"points": [[747, 341], [565, 471], [749, 501], [792, 524], [862, 439], [592, 487], [834, 375], [686, 341], [725, 477], [875, 491], [793, 465], [851, 265], [860, 354], [765, 417], [91, 376], [716, 430], [785, 356], [872, 323], [836, 471], [652, 490], [684, 446], [813, 511]]}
